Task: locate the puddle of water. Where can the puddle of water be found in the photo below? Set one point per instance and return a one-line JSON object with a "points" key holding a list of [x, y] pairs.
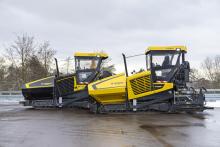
{"points": [[157, 131]]}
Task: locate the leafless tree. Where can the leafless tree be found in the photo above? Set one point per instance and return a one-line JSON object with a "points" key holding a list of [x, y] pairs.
{"points": [[45, 55], [26, 61], [67, 64], [35, 69], [2, 69], [13, 78], [20, 51], [211, 66], [216, 65], [194, 74]]}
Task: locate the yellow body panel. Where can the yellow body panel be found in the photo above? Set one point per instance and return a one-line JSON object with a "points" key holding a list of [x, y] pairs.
{"points": [[167, 86], [110, 90], [166, 48], [96, 54], [144, 86]]}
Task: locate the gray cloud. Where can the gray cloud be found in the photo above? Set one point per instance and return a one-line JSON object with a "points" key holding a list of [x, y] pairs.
{"points": [[115, 26]]}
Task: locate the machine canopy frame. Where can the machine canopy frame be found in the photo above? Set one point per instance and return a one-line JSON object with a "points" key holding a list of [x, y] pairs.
{"points": [[86, 68], [162, 71]]}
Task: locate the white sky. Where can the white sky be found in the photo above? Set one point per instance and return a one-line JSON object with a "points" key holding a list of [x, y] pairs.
{"points": [[115, 26]]}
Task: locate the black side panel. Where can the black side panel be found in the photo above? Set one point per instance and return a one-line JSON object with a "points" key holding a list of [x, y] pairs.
{"points": [[38, 93], [65, 85]]}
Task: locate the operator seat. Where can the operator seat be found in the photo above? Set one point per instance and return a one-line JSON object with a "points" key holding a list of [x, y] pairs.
{"points": [[166, 61]]}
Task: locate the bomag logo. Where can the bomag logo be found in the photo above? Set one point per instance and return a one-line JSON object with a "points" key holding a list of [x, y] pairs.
{"points": [[117, 83], [45, 84]]}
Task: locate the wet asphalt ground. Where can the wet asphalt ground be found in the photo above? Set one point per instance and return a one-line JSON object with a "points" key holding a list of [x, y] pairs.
{"points": [[26, 127]]}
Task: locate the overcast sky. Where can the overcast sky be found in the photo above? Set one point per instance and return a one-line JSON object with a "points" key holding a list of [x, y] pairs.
{"points": [[115, 26]]}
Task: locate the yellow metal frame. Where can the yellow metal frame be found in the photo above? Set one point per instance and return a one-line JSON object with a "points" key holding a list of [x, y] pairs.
{"points": [[96, 54], [166, 48]]}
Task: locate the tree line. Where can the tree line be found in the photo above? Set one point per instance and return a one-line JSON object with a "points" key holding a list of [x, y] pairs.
{"points": [[24, 60]]}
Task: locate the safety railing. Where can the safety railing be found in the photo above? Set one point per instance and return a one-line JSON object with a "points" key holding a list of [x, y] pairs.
{"points": [[11, 94]]}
